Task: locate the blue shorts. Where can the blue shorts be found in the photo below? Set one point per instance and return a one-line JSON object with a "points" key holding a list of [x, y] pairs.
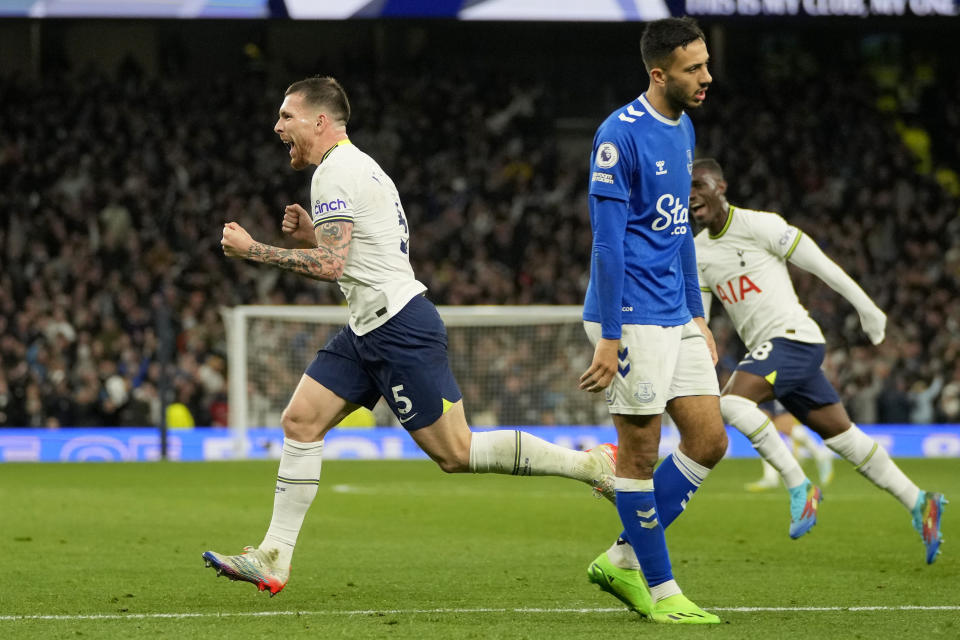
{"points": [[793, 368], [403, 360]]}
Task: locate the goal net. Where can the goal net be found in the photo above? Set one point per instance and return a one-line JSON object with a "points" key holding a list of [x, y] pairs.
{"points": [[516, 366]]}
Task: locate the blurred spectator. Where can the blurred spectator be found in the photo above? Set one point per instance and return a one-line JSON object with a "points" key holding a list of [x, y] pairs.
{"points": [[922, 397]]}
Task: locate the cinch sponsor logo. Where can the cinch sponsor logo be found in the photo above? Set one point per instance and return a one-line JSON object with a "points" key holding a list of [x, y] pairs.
{"points": [[672, 210], [785, 238], [602, 177], [333, 205]]}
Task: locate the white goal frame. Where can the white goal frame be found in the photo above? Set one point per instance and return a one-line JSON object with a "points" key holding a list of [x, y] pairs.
{"points": [[236, 320]]}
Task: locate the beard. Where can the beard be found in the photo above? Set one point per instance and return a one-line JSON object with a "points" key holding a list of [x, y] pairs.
{"points": [[679, 99], [298, 163], [299, 158]]}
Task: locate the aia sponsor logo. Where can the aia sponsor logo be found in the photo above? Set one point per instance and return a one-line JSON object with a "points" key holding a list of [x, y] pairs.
{"points": [[736, 289]]}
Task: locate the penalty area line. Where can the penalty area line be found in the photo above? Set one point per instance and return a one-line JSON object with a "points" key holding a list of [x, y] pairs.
{"points": [[366, 612]]}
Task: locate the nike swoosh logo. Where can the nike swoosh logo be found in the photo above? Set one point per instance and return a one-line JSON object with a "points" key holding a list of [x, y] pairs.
{"points": [[408, 418]]}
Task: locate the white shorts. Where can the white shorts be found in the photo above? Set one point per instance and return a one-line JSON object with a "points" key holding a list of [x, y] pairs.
{"points": [[656, 365]]}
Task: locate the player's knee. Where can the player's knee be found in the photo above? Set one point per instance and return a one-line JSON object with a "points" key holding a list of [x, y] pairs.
{"points": [[297, 427], [717, 449], [452, 462], [708, 448], [451, 466]]}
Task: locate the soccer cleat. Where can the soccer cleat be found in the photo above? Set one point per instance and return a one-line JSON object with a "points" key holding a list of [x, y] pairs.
{"points": [[604, 484], [926, 520], [763, 484], [805, 501], [253, 566], [626, 585], [677, 609]]}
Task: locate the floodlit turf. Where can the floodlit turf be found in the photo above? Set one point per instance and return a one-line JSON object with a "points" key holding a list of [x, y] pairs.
{"points": [[400, 550]]}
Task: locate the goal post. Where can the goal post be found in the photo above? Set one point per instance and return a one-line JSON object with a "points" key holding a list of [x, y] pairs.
{"points": [[516, 365]]}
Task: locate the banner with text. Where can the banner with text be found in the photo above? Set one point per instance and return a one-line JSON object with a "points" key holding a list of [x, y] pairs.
{"points": [[143, 444]]}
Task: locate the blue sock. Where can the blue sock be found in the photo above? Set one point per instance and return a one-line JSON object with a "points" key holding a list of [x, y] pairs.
{"points": [[637, 506], [676, 480]]}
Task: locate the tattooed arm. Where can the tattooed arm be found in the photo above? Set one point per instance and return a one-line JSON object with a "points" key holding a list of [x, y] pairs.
{"points": [[324, 262]]}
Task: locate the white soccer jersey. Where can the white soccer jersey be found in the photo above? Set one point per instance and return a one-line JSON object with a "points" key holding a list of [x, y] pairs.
{"points": [[745, 267], [377, 279]]}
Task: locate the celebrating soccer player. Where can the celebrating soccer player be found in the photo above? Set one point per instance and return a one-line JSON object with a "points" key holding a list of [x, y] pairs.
{"points": [[742, 257], [395, 345], [643, 312]]}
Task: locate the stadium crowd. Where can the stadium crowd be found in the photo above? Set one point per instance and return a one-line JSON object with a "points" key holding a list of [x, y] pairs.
{"points": [[114, 187]]}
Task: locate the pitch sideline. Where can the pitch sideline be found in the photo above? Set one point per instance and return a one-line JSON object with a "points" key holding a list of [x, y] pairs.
{"points": [[359, 612]]}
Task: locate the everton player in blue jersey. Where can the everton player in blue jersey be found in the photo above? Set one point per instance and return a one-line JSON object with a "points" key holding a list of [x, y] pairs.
{"points": [[644, 314]]}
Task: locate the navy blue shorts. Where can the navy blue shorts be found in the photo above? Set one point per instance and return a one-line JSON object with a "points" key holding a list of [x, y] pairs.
{"points": [[793, 368], [403, 360]]}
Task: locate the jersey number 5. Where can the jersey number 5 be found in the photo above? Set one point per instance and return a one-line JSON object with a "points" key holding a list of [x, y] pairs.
{"points": [[403, 402]]}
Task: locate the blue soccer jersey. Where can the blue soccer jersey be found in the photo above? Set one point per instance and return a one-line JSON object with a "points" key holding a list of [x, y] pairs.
{"points": [[643, 268]]}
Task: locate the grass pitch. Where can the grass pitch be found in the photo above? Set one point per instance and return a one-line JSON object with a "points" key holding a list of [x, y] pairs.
{"points": [[400, 550]]}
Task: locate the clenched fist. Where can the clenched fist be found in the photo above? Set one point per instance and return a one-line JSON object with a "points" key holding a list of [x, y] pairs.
{"points": [[236, 241], [298, 225], [874, 323]]}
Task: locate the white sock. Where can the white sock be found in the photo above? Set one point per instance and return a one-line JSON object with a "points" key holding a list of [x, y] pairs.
{"points": [[769, 473], [744, 415], [874, 463], [664, 590], [297, 480], [521, 454], [622, 555]]}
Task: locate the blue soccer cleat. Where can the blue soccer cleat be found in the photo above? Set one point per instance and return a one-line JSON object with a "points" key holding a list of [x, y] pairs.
{"points": [[805, 502], [926, 520]]}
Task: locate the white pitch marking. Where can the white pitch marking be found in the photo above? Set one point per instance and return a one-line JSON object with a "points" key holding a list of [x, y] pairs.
{"points": [[361, 612]]}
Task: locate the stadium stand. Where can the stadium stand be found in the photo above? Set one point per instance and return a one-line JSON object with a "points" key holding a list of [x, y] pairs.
{"points": [[114, 185]]}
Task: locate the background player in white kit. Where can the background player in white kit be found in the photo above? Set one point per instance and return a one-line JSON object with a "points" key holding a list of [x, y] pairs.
{"points": [[741, 257], [801, 442], [395, 344]]}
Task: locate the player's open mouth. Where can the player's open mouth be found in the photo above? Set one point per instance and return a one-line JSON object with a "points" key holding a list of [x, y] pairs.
{"points": [[700, 95], [696, 207]]}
